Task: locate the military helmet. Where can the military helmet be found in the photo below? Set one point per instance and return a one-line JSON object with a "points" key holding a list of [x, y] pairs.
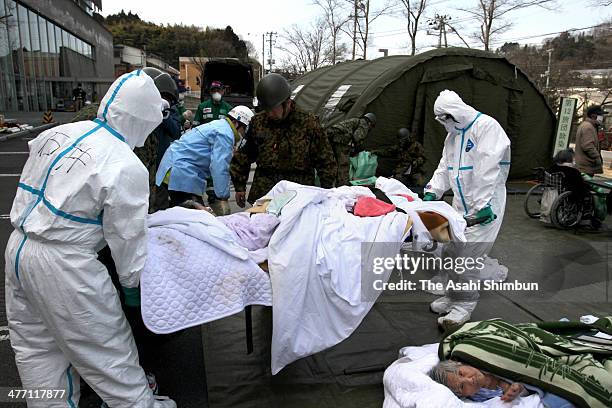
{"points": [[371, 117], [272, 90], [403, 135], [164, 82]]}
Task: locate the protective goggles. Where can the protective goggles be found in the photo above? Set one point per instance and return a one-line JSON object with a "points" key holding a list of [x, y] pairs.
{"points": [[445, 118]]}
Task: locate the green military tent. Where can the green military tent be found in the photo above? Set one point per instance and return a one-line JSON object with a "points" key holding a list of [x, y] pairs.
{"points": [[401, 91]]}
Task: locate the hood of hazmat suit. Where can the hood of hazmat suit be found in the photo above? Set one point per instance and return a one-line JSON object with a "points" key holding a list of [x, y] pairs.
{"points": [[475, 164], [81, 188]]}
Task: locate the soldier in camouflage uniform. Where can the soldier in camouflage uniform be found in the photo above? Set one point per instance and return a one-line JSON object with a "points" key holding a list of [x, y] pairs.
{"points": [[88, 112], [347, 139], [410, 158], [285, 142]]}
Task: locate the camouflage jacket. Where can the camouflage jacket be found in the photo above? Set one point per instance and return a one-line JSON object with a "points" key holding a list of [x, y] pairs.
{"points": [[147, 153], [288, 150], [350, 132], [412, 155], [88, 112]]}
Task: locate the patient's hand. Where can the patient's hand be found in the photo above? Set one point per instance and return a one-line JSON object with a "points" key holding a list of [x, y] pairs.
{"points": [[512, 391]]}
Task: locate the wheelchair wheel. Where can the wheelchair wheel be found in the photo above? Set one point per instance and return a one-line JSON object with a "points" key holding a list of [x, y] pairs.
{"points": [[533, 201], [566, 212]]}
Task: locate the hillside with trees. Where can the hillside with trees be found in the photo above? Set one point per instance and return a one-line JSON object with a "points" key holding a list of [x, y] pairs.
{"points": [[173, 41], [569, 53]]}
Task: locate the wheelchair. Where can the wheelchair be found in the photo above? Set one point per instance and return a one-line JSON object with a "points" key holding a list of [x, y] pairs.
{"points": [[566, 211]]}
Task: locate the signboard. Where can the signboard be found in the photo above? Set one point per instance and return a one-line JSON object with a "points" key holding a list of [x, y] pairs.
{"points": [[564, 123]]}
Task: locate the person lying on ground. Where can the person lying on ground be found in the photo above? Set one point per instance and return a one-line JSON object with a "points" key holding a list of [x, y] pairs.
{"points": [[467, 381]]}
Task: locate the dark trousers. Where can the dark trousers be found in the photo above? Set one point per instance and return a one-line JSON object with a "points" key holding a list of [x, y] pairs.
{"points": [[146, 341], [179, 197]]}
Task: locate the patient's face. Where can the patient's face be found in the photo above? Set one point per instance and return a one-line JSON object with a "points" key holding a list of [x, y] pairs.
{"points": [[467, 381]]}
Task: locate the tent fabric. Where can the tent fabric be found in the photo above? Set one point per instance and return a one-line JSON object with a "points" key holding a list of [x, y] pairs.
{"points": [[401, 91]]}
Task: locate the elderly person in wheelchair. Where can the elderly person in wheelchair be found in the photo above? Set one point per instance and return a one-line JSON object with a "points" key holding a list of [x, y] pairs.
{"points": [[566, 197]]}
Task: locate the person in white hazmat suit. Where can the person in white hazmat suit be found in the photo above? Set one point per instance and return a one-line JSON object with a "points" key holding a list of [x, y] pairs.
{"points": [[81, 188], [475, 164]]}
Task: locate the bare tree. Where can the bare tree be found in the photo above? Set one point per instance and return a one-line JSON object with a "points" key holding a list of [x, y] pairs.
{"points": [[251, 49], [336, 17], [363, 15], [307, 47], [413, 10], [491, 15]]}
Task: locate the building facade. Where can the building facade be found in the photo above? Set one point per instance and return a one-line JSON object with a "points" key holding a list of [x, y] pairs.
{"points": [[191, 73], [128, 58], [47, 47]]}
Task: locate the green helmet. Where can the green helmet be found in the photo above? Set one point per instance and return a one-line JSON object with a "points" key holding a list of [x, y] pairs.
{"points": [[272, 90], [164, 83], [371, 117]]}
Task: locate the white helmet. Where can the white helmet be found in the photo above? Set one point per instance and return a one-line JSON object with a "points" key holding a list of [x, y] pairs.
{"points": [[242, 114]]}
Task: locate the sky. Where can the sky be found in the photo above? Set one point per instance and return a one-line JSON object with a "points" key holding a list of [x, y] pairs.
{"points": [[251, 18]]}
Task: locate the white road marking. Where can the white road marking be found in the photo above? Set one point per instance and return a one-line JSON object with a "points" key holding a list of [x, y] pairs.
{"points": [[11, 175], [5, 216], [14, 152]]}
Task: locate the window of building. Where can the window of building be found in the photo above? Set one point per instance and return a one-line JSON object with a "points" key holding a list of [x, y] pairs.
{"points": [[58, 38], [65, 39], [44, 46], [8, 96], [53, 49], [34, 34], [24, 29]]}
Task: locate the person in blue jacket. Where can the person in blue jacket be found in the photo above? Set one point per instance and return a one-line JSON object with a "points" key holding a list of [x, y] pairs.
{"points": [[205, 151]]}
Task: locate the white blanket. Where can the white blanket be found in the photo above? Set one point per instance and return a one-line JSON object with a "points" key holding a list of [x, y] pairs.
{"points": [[315, 268], [196, 272], [407, 385]]}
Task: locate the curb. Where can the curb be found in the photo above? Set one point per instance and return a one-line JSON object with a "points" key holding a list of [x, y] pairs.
{"points": [[26, 132]]}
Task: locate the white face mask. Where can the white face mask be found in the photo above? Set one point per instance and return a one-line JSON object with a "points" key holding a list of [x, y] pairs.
{"points": [[216, 97], [448, 123], [599, 118]]}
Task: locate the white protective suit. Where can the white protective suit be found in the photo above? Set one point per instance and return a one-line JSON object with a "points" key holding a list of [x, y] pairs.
{"points": [[475, 164], [82, 187]]}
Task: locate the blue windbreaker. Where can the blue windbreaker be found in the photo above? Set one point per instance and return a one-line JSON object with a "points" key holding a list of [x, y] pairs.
{"points": [[204, 151]]}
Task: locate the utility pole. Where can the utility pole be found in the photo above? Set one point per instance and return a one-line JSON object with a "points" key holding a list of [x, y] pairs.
{"points": [[355, 16], [263, 55], [548, 70], [271, 38], [439, 23]]}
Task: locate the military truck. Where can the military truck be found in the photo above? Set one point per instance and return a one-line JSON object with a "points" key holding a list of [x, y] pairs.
{"points": [[236, 76]]}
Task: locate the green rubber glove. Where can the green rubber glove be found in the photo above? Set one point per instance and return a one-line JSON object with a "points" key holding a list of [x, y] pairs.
{"points": [[132, 296], [487, 213], [429, 197]]}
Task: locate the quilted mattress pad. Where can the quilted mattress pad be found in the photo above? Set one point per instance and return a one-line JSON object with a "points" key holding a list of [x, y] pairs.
{"points": [[187, 282]]}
